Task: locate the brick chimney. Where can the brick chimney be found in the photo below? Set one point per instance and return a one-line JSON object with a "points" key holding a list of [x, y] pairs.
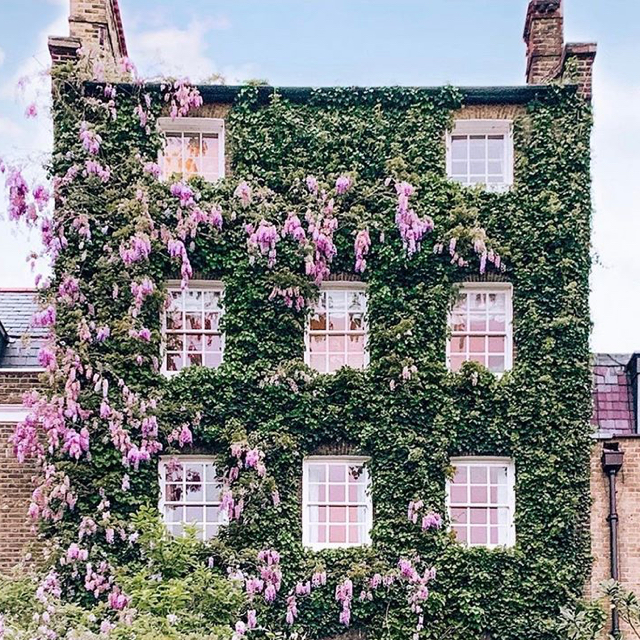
{"points": [[548, 57], [94, 24]]}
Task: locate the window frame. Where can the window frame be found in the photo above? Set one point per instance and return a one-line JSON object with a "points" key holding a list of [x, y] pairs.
{"points": [[487, 461], [198, 125], [486, 287], [339, 285], [306, 531], [163, 462], [486, 127], [207, 285]]}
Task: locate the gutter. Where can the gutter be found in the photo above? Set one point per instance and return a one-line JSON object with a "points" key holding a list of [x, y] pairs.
{"points": [[611, 465], [520, 94]]}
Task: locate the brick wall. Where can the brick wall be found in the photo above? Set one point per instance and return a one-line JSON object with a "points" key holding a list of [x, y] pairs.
{"points": [[97, 23], [548, 58], [15, 492], [544, 37], [628, 497], [13, 386]]}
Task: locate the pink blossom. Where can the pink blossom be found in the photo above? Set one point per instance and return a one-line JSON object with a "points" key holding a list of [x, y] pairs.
{"points": [[252, 620], [91, 167], [361, 247], [183, 97], [412, 228], [44, 318], [31, 111], [343, 184], [41, 196], [184, 193], [18, 191], [125, 65], [152, 168], [102, 333], [292, 609], [431, 521], [319, 578], [47, 359], [293, 227], [270, 593], [263, 239], [75, 553], [118, 600], [243, 193], [137, 248], [90, 140], [312, 184]]}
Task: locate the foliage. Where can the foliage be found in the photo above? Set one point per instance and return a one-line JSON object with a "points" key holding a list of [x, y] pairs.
{"points": [[263, 397], [586, 619]]}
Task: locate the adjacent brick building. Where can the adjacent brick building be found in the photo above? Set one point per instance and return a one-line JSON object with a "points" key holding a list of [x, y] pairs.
{"points": [[615, 419], [19, 371]]}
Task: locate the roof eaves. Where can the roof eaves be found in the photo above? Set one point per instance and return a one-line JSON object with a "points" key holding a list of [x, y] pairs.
{"points": [[520, 94]]}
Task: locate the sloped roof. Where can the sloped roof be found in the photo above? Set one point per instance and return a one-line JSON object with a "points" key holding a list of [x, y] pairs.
{"points": [[17, 307], [612, 394]]}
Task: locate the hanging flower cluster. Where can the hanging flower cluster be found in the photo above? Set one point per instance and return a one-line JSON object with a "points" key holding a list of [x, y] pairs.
{"points": [[247, 459], [428, 519], [361, 247], [262, 240], [412, 228], [290, 296]]}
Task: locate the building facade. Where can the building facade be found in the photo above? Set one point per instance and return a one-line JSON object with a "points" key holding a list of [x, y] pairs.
{"points": [[347, 324]]}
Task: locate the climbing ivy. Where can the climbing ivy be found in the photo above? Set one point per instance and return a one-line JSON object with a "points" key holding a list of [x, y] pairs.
{"points": [[264, 397]]}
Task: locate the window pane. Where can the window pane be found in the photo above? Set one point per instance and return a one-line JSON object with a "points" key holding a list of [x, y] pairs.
{"points": [[195, 502], [337, 322], [316, 472], [338, 328], [318, 322], [336, 493], [478, 324], [194, 321]]}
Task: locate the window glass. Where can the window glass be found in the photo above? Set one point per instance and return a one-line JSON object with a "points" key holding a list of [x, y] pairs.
{"points": [[337, 330], [192, 328], [337, 502], [191, 494], [480, 502], [480, 153], [191, 152], [481, 329]]}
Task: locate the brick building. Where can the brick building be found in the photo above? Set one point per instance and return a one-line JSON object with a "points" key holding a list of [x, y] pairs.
{"points": [[615, 419], [19, 371], [488, 115]]}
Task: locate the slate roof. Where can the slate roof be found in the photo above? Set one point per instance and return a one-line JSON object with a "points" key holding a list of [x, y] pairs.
{"points": [[612, 394], [17, 307]]}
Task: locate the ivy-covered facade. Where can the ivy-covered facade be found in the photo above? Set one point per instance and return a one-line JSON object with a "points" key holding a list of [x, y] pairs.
{"points": [[359, 370]]}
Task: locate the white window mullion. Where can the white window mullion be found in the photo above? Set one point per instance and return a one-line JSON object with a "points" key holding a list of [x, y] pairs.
{"points": [[463, 130], [199, 128]]}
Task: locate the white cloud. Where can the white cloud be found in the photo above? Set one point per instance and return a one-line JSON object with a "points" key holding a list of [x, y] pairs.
{"points": [[2, 56], [615, 298], [171, 51]]}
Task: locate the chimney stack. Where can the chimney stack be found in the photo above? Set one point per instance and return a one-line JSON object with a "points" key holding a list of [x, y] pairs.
{"points": [[548, 57], [93, 24]]}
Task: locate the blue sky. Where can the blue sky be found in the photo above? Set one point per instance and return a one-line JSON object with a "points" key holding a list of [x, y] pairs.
{"points": [[365, 42]]}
